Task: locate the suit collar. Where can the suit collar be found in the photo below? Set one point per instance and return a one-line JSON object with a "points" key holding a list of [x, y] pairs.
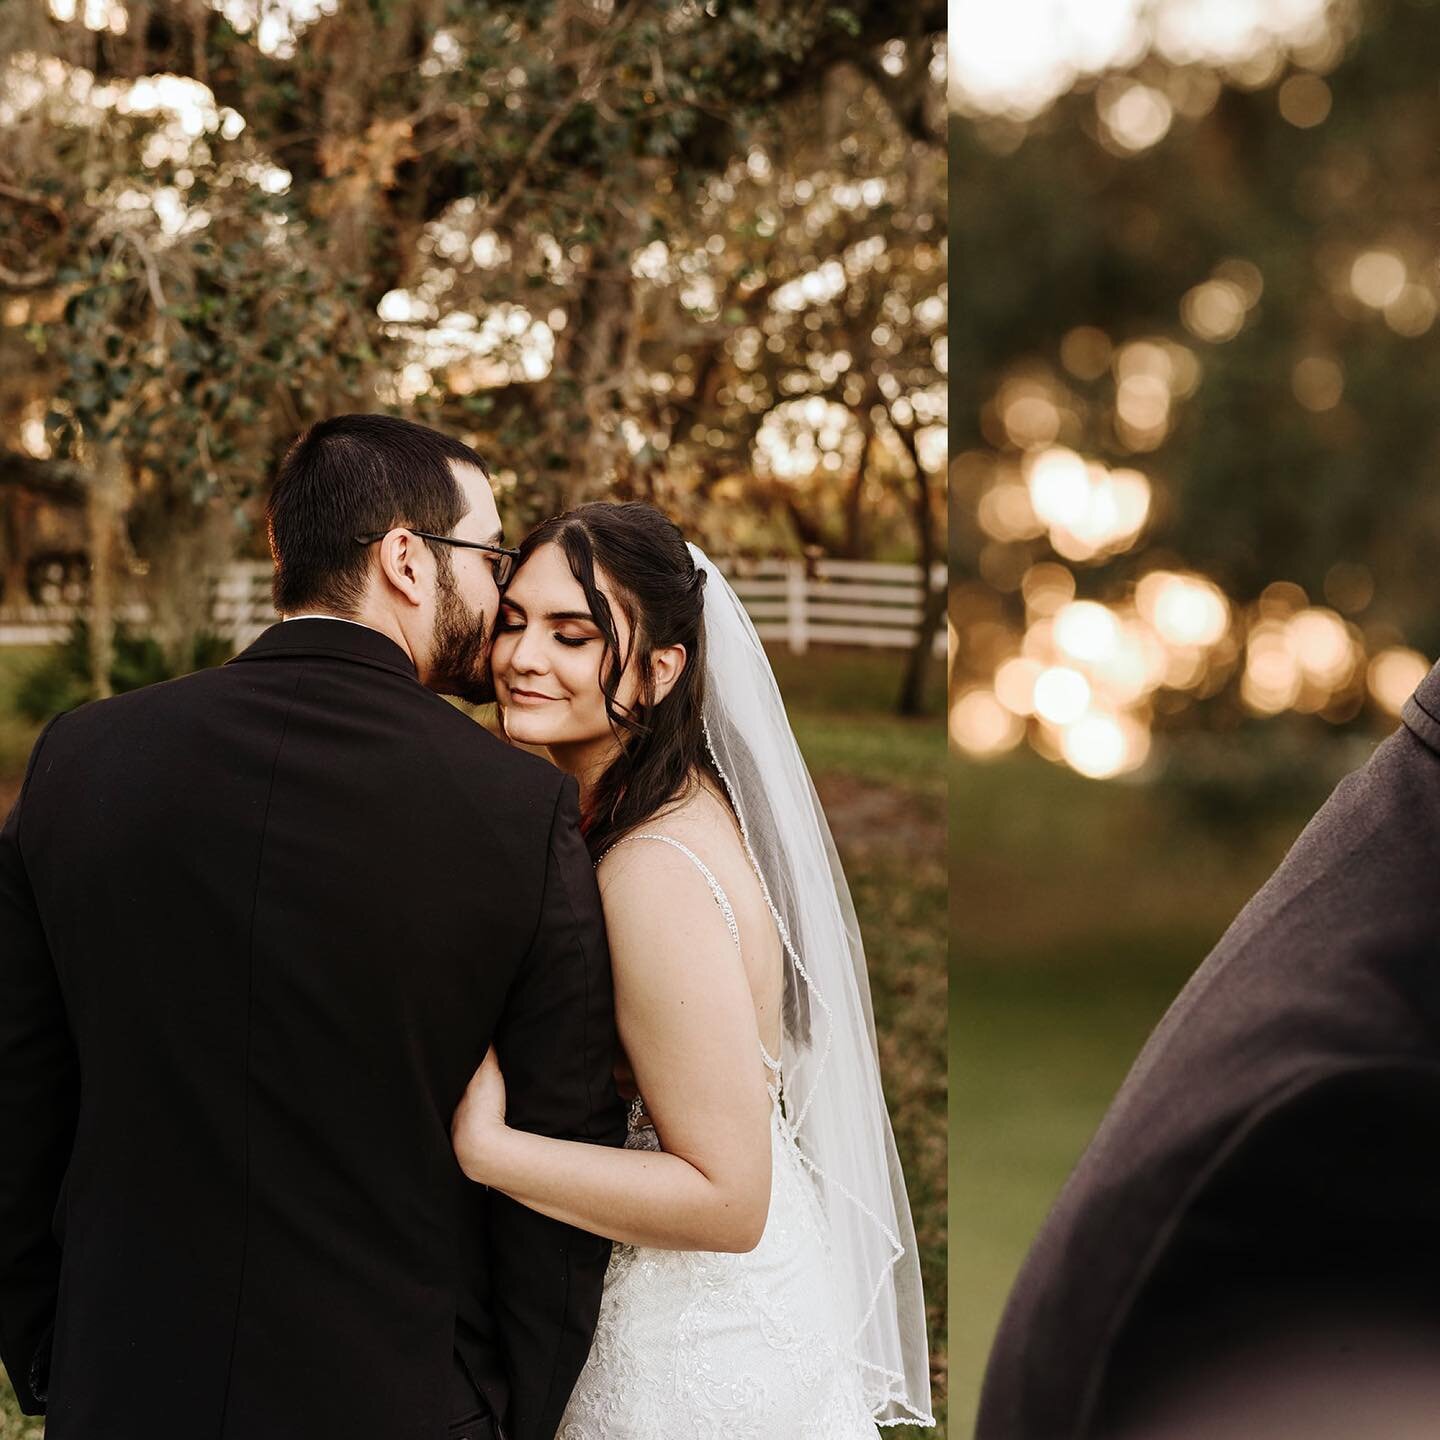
{"points": [[1422, 710], [333, 638]]}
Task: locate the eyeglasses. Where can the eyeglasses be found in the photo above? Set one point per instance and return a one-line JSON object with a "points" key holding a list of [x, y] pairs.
{"points": [[503, 563]]}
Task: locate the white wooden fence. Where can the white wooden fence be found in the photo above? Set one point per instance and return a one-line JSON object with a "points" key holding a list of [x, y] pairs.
{"points": [[834, 602], [831, 602]]}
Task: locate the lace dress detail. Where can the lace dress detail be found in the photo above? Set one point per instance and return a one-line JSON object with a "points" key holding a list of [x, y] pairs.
{"points": [[704, 1345]]}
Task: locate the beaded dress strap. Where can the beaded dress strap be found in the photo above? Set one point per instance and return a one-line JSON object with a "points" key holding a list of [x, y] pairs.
{"points": [[717, 891]]}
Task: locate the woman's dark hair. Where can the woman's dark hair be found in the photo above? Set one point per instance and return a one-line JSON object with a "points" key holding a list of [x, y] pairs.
{"points": [[357, 475], [661, 593]]}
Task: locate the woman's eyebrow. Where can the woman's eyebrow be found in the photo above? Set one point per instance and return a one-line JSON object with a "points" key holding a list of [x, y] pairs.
{"points": [[571, 615]]}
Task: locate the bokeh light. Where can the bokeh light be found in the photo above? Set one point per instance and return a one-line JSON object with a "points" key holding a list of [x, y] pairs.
{"points": [[1377, 278], [982, 726], [1089, 511], [1061, 694], [1015, 684], [1304, 100], [1086, 631], [1135, 116], [1186, 610], [1092, 434], [1046, 587], [1214, 311], [1103, 745], [1392, 676], [1412, 311], [1318, 383]]}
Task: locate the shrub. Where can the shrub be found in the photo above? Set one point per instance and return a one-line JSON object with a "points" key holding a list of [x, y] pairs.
{"points": [[61, 681]]}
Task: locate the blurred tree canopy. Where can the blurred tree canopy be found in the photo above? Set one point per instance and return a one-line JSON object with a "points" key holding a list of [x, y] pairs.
{"points": [[655, 248], [1270, 227]]}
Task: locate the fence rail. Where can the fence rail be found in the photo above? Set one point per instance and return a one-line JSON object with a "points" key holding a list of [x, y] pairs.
{"points": [[829, 602]]}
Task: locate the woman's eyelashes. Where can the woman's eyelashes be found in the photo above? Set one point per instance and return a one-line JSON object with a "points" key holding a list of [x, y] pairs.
{"points": [[511, 623]]}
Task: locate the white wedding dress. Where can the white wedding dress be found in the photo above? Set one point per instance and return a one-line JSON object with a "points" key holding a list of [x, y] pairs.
{"points": [[702, 1345]]}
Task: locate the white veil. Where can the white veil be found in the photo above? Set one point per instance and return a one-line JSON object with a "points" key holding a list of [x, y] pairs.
{"points": [[834, 1106]]}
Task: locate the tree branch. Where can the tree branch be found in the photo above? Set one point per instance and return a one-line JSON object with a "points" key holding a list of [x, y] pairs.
{"points": [[583, 90]]}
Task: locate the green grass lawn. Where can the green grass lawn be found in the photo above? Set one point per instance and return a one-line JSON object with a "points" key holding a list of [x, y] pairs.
{"points": [[883, 782], [1077, 910], [17, 734], [882, 779]]}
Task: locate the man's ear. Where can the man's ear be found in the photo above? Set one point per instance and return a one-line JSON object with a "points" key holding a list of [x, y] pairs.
{"points": [[666, 667], [400, 565]]}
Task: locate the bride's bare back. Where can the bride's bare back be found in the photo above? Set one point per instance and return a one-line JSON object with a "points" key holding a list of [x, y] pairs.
{"points": [[703, 823]]}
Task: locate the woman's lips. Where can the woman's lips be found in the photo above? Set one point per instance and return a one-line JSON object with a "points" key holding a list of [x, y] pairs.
{"points": [[530, 697]]}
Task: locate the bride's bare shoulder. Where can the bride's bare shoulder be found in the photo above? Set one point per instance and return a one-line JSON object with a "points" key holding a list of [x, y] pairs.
{"points": [[700, 822]]}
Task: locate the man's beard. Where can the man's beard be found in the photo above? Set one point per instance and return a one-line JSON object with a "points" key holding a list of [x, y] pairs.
{"points": [[459, 646]]}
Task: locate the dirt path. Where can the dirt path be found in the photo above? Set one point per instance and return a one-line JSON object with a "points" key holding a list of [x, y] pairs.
{"points": [[864, 815]]}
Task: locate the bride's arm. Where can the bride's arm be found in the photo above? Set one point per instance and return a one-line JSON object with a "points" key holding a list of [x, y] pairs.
{"points": [[687, 1023]]}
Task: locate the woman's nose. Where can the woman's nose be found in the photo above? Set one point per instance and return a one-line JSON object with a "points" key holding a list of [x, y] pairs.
{"points": [[529, 654]]}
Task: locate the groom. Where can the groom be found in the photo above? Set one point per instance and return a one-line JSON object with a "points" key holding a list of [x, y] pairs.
{"points": [[1250, 1248], [257, 928]]}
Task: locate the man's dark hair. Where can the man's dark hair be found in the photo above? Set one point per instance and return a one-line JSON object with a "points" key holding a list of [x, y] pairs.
{"points": [[357, 475]]}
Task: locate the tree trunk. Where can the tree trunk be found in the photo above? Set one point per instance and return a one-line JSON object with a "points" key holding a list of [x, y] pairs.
{"points": [[932, 607], [185, 550], [105, 503], [605, 361], [912, 689], [855, 499]]}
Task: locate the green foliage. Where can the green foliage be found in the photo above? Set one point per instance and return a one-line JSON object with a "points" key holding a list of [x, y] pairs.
{"points": [[207, 303], [61, 681], [1077, 911], [1254, 486]]}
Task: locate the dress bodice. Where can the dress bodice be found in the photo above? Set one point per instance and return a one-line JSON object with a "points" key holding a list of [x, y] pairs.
{"points": [[725, 1346]]}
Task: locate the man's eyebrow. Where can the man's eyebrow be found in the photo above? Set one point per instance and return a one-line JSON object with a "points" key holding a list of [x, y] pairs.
{"points": [[497, 536]]}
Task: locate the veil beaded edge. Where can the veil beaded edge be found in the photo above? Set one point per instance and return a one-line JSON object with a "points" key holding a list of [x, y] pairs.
{"points": [[834, 1104]]}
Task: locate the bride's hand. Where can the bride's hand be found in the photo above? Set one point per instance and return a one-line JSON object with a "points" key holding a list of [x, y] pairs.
{"points": [[478, 1128]]}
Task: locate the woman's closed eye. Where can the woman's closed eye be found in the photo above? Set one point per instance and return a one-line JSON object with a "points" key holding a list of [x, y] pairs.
{"points": [[509, 622]]}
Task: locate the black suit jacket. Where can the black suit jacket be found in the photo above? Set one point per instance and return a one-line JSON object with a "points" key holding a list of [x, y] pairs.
{"points": [[1271, 1165], [257, 928]]}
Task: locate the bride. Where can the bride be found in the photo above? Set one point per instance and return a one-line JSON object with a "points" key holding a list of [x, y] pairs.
{"points": [[765, 1281]]}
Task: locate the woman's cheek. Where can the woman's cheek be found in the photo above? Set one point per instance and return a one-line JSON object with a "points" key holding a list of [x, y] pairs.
{"points": [[500, 653]]}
